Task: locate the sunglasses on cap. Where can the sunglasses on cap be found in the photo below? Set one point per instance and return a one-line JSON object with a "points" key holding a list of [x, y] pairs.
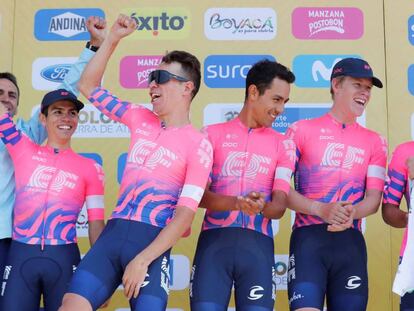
{"points": [[163, 76]]}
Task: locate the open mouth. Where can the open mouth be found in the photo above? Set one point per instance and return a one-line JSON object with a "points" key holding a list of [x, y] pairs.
{"points": [[360, 101], [155, 97], [65, 127]]}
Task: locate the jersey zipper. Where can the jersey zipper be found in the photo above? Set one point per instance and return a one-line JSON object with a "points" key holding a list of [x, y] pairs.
{"points": [[55, 158], [242, 177], [134, 208]]}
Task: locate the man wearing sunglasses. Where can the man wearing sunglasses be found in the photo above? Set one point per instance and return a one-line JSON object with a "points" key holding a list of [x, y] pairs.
{"points": [[166, 172]]}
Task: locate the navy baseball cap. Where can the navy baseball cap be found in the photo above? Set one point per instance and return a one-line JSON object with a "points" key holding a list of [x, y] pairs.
{"points": [[57, 95], [356, 68]]}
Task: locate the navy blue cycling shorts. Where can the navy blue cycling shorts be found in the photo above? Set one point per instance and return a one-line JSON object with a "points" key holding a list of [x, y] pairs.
{"points": [[331, 264], [31, 272], [407, 302], [102, 268], [233, 256]]}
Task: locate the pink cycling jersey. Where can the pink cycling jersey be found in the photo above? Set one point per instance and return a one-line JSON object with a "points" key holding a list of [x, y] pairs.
{"points": [[336, 162], [397, 183], [166, 167], [51, 187], [247, 160]]}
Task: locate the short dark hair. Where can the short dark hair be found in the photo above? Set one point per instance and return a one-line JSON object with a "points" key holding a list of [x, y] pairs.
{"points": [[12, 78], [190, 65], [263, 72]]}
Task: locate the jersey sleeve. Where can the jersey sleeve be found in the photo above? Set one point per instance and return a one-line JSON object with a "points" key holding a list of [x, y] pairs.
{"points": [[377, 164], [397, 178], [285, 165], [15, 142], [199, 164], [95, 193]]}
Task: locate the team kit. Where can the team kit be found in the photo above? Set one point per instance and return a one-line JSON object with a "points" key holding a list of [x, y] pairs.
{"points": [[331, 171]]}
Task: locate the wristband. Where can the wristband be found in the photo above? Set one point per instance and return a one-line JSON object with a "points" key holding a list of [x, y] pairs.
{"points": [[93, 48]]}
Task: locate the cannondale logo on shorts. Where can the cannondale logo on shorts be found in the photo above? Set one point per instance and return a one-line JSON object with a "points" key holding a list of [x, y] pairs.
{"points": [[353, 282], [146, 281], [7, 270], [254, 293]]}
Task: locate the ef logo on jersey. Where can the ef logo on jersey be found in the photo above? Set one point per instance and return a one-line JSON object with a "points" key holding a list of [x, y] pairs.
{"points": [[334, 156]]}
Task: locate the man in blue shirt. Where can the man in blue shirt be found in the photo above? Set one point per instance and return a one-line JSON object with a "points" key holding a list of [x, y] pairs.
{"points": [[9, 97]]}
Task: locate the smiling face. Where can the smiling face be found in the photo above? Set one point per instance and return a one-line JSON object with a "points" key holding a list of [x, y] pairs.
{"points": [[61, 122], [351, 95], [9, 96], [266, 107], [165, 97]]}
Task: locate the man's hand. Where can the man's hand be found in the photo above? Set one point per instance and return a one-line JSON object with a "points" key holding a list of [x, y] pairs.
{"points": [[97, 29], [345, 225], [134, 276], [123, 26], [252, 204], [334, 212]]}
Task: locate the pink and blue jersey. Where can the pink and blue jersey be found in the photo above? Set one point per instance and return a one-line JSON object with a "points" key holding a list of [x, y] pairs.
{"points": [[397, 184], [166, 167], [247, 160], [336, 162], [51, 187]]}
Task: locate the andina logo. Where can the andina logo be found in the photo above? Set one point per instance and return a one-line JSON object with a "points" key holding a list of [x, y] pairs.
{"points": [[327, 23], [161, 22]]}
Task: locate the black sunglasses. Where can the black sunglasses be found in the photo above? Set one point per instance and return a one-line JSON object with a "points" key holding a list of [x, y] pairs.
{"points": [[163, 76]]}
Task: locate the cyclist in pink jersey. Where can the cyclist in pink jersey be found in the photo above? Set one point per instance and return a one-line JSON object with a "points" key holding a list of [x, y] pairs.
{"points": [[52, 185], [400, 172], [167, 169], [339, 179], [250, 181]]}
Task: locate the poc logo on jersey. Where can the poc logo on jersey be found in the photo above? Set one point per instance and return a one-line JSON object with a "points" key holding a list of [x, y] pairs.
{"points": [[240, 23], [229, 71], [160, 23], [411, 29], [134, 70], [327, 23], [63, 24], [315, 70], [410, 78], [49, 72]]}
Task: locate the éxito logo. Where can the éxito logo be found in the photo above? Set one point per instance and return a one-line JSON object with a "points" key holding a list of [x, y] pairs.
{"points": [[161, 23]]}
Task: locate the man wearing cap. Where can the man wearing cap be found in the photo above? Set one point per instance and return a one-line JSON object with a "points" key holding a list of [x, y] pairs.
{"points": [[339, 180], [9, 98], [52, 184]]}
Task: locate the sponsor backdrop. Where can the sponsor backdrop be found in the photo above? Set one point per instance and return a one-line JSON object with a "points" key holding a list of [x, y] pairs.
{"points": [[40, 39]]}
